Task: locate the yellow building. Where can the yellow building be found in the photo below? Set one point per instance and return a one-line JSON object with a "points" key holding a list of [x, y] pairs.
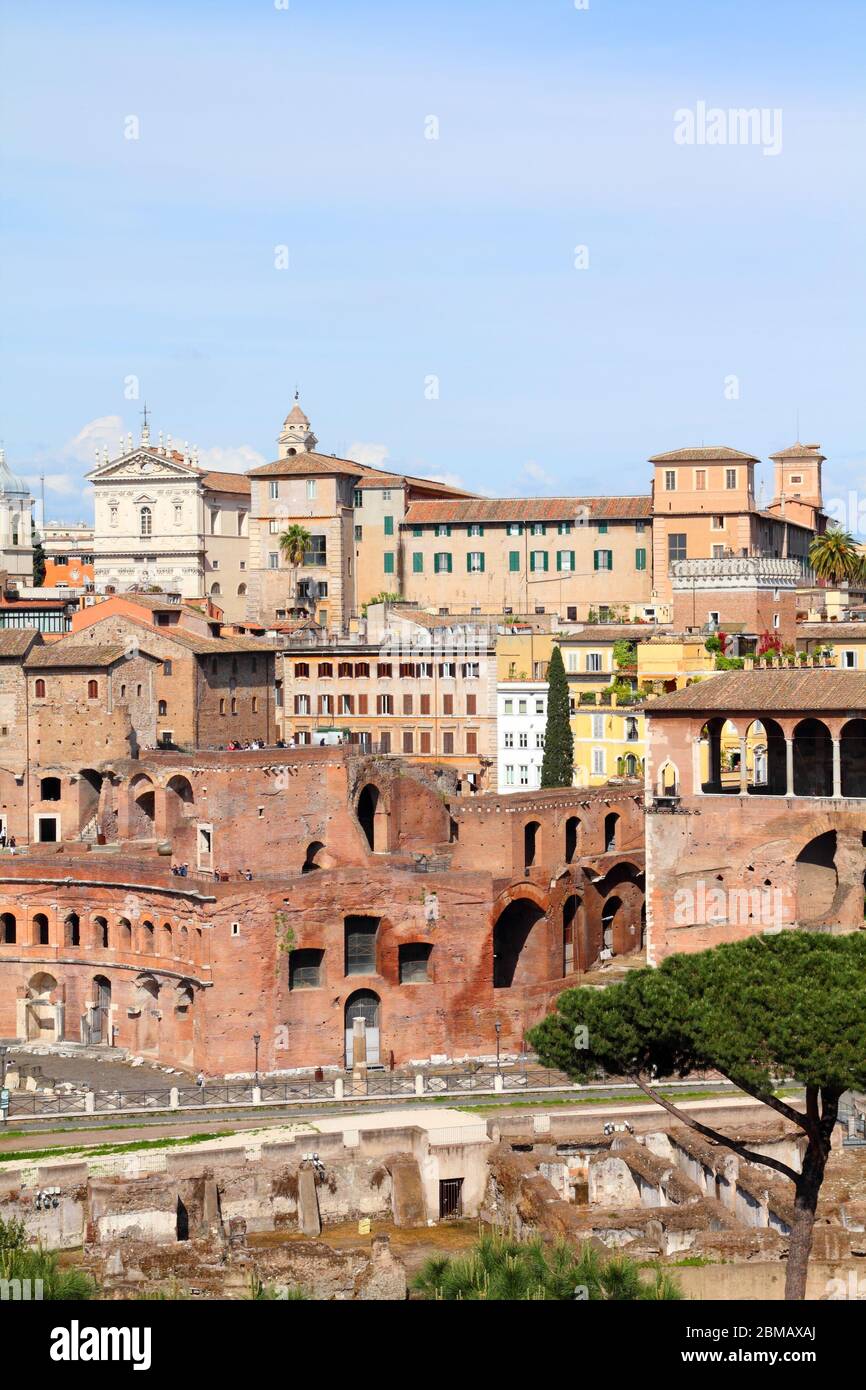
{"points": [[523, 654], [670, 661], [846, 642], [609, 742]]}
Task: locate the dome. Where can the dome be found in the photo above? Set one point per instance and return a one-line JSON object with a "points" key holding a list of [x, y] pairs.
{"points": [[10, 486]]}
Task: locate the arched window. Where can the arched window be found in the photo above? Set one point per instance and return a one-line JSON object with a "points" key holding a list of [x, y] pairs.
{"points": [[572, 830], [49, 789], [215, 590], [8, 929], [93, 690], [40, 689], [611, 823], [162, 707], [146, 519], [242, 588], [530, 842]]}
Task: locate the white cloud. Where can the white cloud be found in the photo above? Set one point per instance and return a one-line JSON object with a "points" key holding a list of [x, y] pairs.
{"points": [[446, 479], [231, 460], [533, 472], [105, 430], [372, 455], [65, 484]]}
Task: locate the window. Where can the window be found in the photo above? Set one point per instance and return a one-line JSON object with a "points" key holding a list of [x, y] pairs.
{"points": [[539, 706], [389, 525], [93, 690], [146, 522], [515, 528], [318, 551], [273, 560], [414, 962], [302, 704], [539, 740], [223, 706], [448, 743], [311, 489], [325, 670], [384, 704], [640, 559], [538, 560], [344, 669], [302, 668], [849, 661], [700, 480], [417, 562], [593, 661], [713, 617], [389, 561], [384, 741], [40, 690], [602, 560], [386, 494], [598, 726], [475, 561], [640, 527], [602, 528], [730, 478], [442, 562], [775, 620], [305, 969], [273, 488], [513, 561], [718, 552], [425, 704], [447, 704], [571, 614], [442, 531], [360, 942], [112, 516], [417, 531], [598, 762], [162, 709], [358, 497], [471, 702], [425, 741], [565, 561], [470, 670], [564, 528], [359, 533], [509, 774], [475, 530], [677, 546], [447, 668], [523, 740], [670, 480], [275, 527], [524, 775], [717, 523], [471, 741], [509, 740], [407, 704], [408, 741]]}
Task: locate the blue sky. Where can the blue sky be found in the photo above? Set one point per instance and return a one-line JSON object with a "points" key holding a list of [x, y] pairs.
{"points": [[411, 258]]}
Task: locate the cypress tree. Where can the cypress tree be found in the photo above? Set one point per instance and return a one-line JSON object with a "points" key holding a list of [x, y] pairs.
{"points": [[557, 769]]}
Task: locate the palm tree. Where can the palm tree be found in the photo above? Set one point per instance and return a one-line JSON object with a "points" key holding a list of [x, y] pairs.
{"points": [[834, 555], [501, 1268], [294, 543]]}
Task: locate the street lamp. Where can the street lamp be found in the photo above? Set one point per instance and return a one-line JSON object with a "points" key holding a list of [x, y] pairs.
{"points": [[498, 1026], [256, 1040], [4, 1098]]}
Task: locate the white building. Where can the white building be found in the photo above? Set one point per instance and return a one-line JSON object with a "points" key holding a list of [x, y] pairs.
{"points": [[160, 521], [521, 719], [16, 526]]}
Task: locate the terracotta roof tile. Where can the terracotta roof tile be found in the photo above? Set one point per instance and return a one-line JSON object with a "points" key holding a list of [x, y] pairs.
{"points": [[505, 509], [704, 454], [774, 691], [16, 641], [226, 482], [66, 653], [307, 465]]}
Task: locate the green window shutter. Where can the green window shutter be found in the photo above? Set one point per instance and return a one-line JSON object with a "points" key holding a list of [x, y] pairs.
{"points": [[559, 555], [448, 565], [595, 555], [417, 562], [546, 559], [389, 526], [481, 557], [417, 531], [469, 561], [602, 528], [573, 566], [389, 562], [513, 560], [640, 559]]}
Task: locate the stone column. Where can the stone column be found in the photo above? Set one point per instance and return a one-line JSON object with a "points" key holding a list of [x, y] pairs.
{"points": [[789, 767], [837, 767], [744, 770]]}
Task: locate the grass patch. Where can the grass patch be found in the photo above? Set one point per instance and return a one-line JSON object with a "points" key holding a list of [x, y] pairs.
{"points": [[675, 1096], [104, 1150]]}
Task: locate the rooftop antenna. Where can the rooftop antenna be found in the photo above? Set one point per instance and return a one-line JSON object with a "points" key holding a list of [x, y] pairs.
{"points": [[145, 428]]}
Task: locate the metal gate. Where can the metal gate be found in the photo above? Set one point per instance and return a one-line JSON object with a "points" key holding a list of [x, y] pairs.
{"points": [[100, 1014], [365, 1005], [450, 1198]]}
